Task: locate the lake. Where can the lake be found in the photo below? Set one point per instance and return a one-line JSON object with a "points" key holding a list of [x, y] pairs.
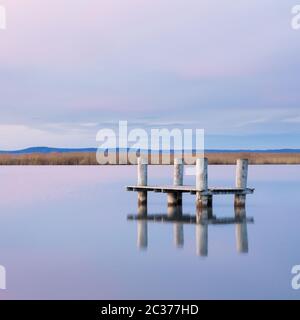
{"points": [[64, 234]]}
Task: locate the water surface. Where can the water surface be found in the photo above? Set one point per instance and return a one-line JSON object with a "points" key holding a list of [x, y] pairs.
{"points": [[64, 234]]}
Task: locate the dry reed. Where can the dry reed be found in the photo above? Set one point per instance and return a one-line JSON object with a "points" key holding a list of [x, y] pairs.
{"points": [[88, 158]]}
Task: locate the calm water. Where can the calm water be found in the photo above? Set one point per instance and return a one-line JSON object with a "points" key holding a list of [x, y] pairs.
{"points": [[64, 234]]}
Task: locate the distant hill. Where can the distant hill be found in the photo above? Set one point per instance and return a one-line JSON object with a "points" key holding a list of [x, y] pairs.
{"points": [[48, 150], [69, 150]]}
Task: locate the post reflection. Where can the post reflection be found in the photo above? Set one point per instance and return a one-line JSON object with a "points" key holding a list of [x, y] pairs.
{"points": [[178, 234], [241, 233], [175, 212], [142, 234], [142, 227], [203, 219], [202, 239]]}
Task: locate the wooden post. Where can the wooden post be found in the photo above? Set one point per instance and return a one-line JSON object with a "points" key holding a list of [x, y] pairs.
{"points": [[142, 210], [172, 209], [175, 198], [178, 172], [172, 199], [202, 182], [142, 181], [178, 177], [142, 168], [203, 214], [241, 181]]}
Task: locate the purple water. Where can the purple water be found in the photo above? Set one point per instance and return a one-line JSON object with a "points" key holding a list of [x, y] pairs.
{"points": [[64, 234]]}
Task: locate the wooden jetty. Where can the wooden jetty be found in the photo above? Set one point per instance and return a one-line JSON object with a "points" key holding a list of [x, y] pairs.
{"points": [[204, 194]]}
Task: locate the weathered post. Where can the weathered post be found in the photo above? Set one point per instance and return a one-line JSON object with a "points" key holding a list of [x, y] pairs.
{"points": [[172, 199], [203, 214], [241, 181], [241, 230], [142, 211], [171, 210], [142, 181], [178, 177], [178, 172], [201, 182], [175, 198]]}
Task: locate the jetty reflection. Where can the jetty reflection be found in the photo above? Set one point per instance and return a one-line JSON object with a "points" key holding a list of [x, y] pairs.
{"points": [[202, 219]]}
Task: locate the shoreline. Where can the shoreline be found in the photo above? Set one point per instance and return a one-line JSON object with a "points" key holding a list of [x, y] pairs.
{"points": [[89, 158]]}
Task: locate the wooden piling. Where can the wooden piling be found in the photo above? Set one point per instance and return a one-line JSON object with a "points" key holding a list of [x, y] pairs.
{"points": [[178, 177], [203, 214], [172, 199], [178, 172], [142, 211], [202, 183], [171, 210], [241, 181], [175, 198], [142, 169]]}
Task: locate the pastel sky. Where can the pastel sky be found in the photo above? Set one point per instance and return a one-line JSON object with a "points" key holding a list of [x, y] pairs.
{"points": [[70, 67]]}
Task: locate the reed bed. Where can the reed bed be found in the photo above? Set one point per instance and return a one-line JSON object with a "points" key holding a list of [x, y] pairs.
{"points": [[88, 158]]}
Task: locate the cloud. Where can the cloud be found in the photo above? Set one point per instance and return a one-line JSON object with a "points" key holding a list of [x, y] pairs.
{"points": [[225, 68], [293, 120], [251, 122]]}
